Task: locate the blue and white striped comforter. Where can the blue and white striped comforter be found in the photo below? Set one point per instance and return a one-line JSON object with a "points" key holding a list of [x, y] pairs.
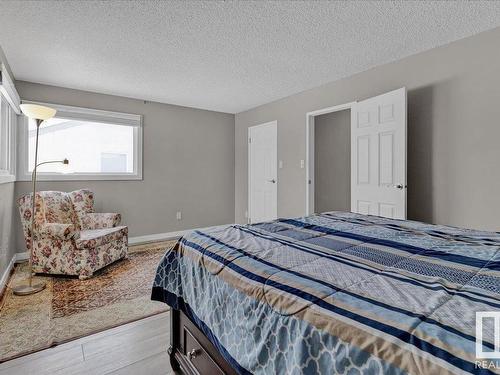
{"points": [[337, 293]]}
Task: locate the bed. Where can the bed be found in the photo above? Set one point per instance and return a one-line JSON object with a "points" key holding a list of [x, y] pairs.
{"points": [[333, 293]]}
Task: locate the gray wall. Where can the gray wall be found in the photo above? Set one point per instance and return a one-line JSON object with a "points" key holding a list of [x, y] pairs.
{"points": [[453, 132], [188, 164], [332, 162], [7, 230]]}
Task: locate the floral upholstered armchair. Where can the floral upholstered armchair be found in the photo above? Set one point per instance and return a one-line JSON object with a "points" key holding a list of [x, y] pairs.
{"points": [[70, 238]]}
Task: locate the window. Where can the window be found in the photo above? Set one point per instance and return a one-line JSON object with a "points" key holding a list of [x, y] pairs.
{"points": [[99, 145], [113, 162], [8, 119], [84, 143]]}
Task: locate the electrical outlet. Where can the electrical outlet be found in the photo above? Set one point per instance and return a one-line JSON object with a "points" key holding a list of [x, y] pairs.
{"points": [[179, 215]]}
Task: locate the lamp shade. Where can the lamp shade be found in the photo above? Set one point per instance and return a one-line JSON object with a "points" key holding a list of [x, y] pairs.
{"points": [[38, 112]]}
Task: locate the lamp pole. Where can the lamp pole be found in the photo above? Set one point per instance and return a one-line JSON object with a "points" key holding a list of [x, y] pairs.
{"points": [[33, 211], [24, 290], [39, 114]]}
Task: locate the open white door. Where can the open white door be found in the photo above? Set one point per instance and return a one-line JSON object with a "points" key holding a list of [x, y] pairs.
{"points": [[262, 172], [378, 155]]}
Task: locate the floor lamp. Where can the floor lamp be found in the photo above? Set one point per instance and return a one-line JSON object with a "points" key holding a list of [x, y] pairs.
{"points": [[39, 114]]}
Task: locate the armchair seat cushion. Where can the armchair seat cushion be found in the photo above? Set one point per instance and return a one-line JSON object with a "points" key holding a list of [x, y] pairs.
{"points": [[96, 237]]}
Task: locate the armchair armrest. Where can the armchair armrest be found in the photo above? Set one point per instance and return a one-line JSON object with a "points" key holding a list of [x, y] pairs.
{"points": [[100, 220], [59, 231]]}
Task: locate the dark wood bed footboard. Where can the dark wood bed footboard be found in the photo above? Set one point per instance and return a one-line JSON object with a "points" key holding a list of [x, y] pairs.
{"points": [[191, 352]]}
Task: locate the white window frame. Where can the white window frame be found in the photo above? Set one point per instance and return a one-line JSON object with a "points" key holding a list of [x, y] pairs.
{"points": [[84, 114], [7, 130], [10, 99]]}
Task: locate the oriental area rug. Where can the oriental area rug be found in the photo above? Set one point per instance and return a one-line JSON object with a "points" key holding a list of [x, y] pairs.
{"points": [[69, 308]]}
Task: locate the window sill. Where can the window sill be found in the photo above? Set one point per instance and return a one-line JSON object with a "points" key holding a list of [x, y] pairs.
{"points": [[7, 178], [82, 177]]}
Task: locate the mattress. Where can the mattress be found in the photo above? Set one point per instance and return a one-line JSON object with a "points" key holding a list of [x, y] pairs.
{"points": [[337, 293]]}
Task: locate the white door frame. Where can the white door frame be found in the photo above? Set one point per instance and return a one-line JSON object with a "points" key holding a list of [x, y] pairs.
{"points": [[249, 184], [310, 150]]}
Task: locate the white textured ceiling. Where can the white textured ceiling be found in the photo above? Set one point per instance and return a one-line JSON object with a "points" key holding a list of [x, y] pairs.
{"points": [[224, 56]]}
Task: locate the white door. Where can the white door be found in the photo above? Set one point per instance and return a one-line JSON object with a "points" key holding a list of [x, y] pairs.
{"points": [[378, 155], [263, 172]]}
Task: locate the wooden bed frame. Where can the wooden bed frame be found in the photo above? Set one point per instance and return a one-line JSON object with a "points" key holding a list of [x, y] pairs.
{"points": [[191, 351]]}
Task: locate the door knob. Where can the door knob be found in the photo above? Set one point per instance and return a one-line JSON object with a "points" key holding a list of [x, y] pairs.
{"points": [[399, 186], [272, 181]]}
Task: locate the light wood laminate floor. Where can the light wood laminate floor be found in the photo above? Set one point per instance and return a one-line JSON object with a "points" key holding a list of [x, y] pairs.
{"points": [[134, 348]]}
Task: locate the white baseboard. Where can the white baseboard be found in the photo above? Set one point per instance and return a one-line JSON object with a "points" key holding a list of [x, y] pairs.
{"points": [[139, 240], [21, 257]]}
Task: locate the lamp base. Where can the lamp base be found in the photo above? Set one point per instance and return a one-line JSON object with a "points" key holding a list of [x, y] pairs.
{"points": [[26, 290]]}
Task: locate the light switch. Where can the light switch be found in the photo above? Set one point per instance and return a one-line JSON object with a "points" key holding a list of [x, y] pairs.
{"points": [[280, 164], [302, 163]]}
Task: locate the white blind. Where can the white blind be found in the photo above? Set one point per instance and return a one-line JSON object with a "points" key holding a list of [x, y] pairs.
{"points": [[8, 122], [93, 115]]}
